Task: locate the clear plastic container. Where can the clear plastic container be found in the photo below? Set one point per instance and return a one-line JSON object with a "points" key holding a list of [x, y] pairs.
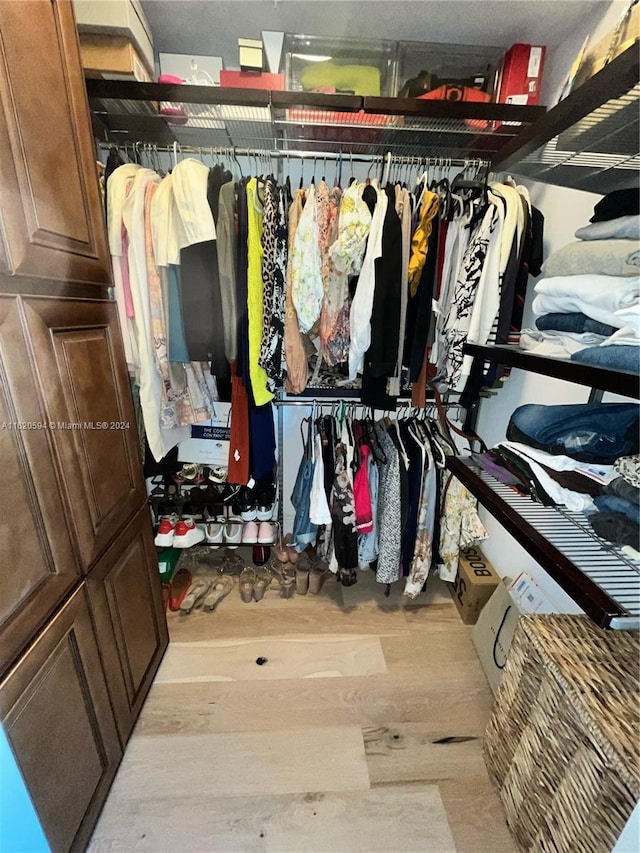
{"points": [[424, 66], [349, 66]]}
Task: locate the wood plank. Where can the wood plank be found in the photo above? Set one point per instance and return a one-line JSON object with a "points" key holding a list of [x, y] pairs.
{"points": [[279, 761], [406, 752], [441, 656], [476, 817], [295, 657], [259, 620], [380, 820], [449, 709]]}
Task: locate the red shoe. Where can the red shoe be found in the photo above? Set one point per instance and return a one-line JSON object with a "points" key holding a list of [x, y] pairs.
{"points": [[188, 533], [166, 531], [179, 588]]}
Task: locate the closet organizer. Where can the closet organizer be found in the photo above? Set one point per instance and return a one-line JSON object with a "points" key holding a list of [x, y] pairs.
{"points": [[567, 146]]}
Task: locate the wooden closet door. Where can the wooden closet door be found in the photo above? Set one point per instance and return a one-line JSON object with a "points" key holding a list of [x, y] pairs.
{"points": [[79, 362], [126, 603], [55, 709], [52, 221], [39, 567]]}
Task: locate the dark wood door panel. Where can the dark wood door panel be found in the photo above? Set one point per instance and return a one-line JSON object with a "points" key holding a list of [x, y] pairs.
{"points": [[53, 226], [126, 602], [55, 710], [78, 357], [39, 564]]}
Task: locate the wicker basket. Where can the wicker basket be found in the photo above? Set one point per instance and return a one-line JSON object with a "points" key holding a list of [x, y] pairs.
{"points": [[562, 744]]}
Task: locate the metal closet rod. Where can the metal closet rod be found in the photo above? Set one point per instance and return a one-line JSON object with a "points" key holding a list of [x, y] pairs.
{"points": [[410, 160]]}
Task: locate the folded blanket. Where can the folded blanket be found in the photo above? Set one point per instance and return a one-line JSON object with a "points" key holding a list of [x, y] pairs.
{"points": [[600, 257], [626, 227], [597, 296]]}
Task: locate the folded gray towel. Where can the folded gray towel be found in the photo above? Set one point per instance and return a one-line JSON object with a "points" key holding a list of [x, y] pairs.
{"points": [[600, 257]]}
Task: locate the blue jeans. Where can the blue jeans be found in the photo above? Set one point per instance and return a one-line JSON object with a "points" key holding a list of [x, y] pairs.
{"points": [[615, 357], [587, 432], [574, 322], [612, 503]]}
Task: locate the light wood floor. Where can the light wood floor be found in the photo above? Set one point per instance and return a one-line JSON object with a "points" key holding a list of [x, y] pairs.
{"points": [[334, 744]]}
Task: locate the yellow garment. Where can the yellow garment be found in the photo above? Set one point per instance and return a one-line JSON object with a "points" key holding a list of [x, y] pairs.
{"points": [[420, 239], [359, 79], [255, 295]]}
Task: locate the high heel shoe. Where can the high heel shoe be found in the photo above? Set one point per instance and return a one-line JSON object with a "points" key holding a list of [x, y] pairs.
{"points": [[198, 589], [246, 583], [316, 579], [262, 583], [220, 588]]}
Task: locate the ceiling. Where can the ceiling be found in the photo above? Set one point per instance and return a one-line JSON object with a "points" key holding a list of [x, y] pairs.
{"points": [[212, 27]]}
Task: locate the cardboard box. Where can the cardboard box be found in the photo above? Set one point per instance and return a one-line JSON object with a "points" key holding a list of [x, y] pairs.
{"points": [[474, 584], [117, 18], [187, 66], [250, 51], [493, 632], [112, 57], [249, 80], [521, 75]]}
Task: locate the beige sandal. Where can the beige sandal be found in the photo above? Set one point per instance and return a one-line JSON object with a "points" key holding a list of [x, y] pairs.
{"points": [[262, 582], [245, 584], [287, 579], [316, 579], [198, 589], [220, 588]]}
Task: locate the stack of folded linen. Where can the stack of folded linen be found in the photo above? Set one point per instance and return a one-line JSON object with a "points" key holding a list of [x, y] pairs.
{"points": [[588, 304]]}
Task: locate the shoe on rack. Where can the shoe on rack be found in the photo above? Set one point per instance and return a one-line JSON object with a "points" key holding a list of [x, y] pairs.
{"points": [[187, 533], [218, 475], [266, 533], [250, 533], [233, 530], [264, 512], [248, 512], [215, 531], [166, 531]]}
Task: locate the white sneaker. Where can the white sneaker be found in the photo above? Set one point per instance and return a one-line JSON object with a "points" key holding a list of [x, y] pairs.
{"points": [[233, 532], [215, 531], [187, 534], [166, 531], [265, 513]]}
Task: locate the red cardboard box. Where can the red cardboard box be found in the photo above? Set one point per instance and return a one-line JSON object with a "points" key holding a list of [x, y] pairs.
{"points": [[249, 80], [521, 77]]}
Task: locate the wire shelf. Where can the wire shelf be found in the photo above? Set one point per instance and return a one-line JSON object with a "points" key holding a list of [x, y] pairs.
{"points": [[603, 580]]}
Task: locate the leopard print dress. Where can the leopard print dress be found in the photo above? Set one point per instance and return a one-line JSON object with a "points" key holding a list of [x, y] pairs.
{"points": [[274, 274]]}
